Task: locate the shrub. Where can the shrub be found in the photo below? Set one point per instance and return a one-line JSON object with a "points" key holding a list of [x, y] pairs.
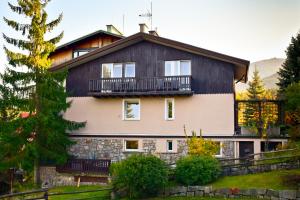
{"points": [[197, 170], [139, 176], [200, 146]]}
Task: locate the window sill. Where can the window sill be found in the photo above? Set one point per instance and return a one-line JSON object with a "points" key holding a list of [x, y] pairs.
{"points": [[132, 150], [131, 119], [170, 119]]}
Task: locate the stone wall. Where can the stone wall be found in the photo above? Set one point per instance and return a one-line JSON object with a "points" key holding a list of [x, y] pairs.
{"points": [[201, 191], [259, 168], [100, 148], [50, 177]]}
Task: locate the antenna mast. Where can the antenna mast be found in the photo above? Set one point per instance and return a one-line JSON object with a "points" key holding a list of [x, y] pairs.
{"points": [[148, 15]]}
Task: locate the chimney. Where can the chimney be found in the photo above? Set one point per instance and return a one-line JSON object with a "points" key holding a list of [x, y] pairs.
{"points": [[112, 29], [143, 28], [153, 32]]}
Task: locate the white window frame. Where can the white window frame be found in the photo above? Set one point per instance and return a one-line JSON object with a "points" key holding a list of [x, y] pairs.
{"points": [[125, 148], [125, 69], [123, 110], [221, 150], [112, 69], [168, 150], [166, 109], [178, 65]]}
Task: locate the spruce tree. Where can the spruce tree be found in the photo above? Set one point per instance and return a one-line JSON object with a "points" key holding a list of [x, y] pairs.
{"points": [[43, 134], [255, 91], [290, 71]]}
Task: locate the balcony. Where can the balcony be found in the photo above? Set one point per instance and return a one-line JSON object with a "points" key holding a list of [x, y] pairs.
{"points": [[144, 86]]}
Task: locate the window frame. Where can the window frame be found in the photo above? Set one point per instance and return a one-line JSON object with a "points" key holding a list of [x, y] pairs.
{"points": [[179, 67], [168, 150], [124, 64], [221, 150], [125, 146], [167, 109], [86, 50], [123, 110]]}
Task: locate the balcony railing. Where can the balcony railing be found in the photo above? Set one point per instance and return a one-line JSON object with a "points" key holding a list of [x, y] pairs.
{"points": [[84, 166], [166, 85]]}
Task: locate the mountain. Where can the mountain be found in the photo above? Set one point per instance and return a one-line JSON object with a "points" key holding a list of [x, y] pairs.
{"points": [[267, 70]]}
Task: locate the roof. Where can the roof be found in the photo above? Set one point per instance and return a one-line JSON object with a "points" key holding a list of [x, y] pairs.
{"points": [[99, 32], [240, 70]]}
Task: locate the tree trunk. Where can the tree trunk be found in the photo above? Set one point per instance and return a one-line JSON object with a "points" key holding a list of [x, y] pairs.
{"points": [[36, 172]]}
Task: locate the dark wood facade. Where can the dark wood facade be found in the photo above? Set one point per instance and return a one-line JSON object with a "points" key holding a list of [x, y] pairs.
{"points": [[209, 76]]}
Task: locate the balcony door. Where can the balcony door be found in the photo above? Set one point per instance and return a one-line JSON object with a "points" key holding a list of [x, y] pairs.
{"points": [[115, 78], [110, 70], [177, 73]]}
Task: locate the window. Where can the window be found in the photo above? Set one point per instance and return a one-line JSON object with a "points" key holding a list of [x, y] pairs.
{"points": [[178, 68], [80, 52], [131, 145], [111, 70], [169, 145], [219, 152], [169, 109], [130, 70], [131, 109]]}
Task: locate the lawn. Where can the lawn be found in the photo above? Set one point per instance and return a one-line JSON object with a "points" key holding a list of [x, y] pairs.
{"points": [[66, 189], [90, 195], [270, 180]]}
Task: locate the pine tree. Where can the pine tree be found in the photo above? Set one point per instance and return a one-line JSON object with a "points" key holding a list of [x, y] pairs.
{"points": [[254, 92], [43, 134], [256, 88], [290, 71]]}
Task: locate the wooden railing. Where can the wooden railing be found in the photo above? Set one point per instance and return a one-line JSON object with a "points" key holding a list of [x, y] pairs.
{"points": [[85, 166], [146, 84], [261, 158], [44, 194]]}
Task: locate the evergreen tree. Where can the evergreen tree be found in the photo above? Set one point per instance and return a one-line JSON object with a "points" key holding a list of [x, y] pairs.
{"points": [[43, 134], [256, 88], [290, 71], [255, 91]]}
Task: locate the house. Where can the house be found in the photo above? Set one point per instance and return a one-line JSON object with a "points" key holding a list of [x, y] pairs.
{"points": [[85, 44], [138, 92]]}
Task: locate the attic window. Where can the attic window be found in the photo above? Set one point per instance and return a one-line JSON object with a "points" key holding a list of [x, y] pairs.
{"points": [[80, 52]]}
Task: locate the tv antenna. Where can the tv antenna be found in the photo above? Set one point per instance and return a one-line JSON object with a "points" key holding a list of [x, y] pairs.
{"points": [[148, 14]]}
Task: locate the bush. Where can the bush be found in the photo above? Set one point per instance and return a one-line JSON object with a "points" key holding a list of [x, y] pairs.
{"points": [[200, 146], [139, 176], [197, 170]]}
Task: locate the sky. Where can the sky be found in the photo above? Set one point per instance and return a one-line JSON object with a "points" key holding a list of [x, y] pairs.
{"points": [[248, 29]]}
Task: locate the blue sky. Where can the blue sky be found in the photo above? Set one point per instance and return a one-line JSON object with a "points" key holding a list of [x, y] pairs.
{"points": [[249, 29]]}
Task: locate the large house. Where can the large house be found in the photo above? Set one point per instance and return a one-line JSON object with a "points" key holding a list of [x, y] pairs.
{"points": [[136, 94]]}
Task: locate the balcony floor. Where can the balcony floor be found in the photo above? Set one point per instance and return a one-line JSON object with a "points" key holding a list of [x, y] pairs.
{"points": [[139, 94]]}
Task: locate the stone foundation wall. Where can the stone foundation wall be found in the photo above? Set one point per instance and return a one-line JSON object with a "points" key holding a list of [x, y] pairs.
{"points": [[201, 191], [49, 176], [99, 148]]}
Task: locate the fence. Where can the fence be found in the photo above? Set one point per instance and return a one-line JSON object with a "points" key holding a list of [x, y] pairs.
{"points": [[85, 166], [261, 162], [258, 112], [44, 194]]}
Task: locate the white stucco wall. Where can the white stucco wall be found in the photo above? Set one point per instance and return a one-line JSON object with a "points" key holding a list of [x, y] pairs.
{"points": [[213, 113]]}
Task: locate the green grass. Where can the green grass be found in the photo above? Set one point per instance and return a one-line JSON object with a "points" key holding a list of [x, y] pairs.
{"points": [[90, 195], [270, 180]]}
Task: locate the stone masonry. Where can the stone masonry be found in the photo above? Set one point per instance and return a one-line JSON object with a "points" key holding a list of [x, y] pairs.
{"points": [[106, 148]]}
